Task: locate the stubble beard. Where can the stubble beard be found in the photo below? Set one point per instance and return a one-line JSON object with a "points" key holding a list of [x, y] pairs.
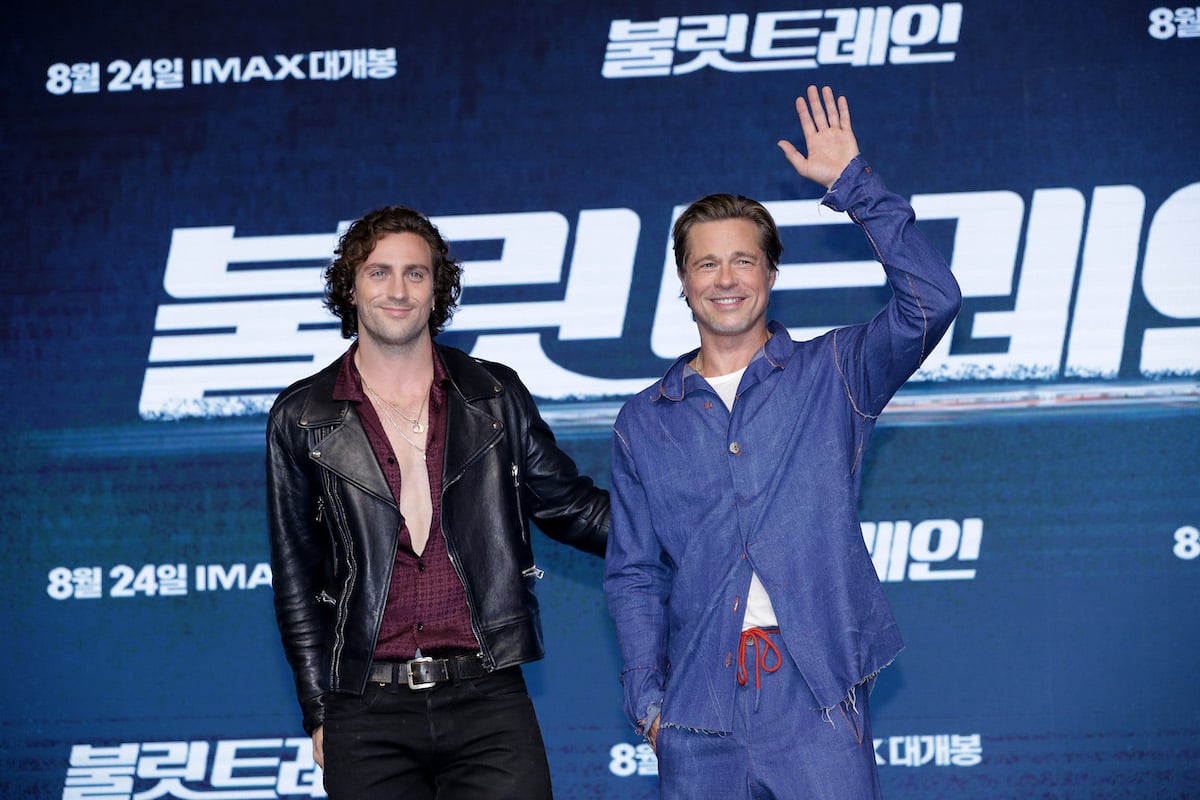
{"points": [[404, 339]]}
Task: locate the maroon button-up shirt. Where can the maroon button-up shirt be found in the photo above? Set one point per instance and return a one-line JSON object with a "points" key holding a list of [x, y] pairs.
{"points": [[426, 605]]}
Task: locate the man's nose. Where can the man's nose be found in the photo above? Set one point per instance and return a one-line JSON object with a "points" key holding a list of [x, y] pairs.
{"points": [[726, 275], [397, 287]]}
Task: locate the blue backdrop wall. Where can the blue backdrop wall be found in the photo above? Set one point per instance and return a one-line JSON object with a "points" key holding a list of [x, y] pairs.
{"points": [[176, 175]]}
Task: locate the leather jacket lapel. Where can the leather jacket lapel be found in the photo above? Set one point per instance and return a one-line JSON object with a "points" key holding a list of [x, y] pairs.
{"points": [[470, 429], [346, 451]]}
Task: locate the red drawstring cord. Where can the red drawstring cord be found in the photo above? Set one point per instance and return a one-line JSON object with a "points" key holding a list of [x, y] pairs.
{"points": [[757, 638]]}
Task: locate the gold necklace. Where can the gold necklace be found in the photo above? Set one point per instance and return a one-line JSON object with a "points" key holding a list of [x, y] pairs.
{"points": [[417, 426], [399, 430]]}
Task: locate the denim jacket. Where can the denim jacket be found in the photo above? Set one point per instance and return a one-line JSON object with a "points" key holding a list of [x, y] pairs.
{"points": [[703, 497]]}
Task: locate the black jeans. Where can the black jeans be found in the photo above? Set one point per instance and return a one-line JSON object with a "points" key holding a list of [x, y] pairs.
{"points": [[478, 738]]}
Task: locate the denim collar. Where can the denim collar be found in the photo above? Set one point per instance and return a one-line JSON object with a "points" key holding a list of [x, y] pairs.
{"points": [[681, 378]]}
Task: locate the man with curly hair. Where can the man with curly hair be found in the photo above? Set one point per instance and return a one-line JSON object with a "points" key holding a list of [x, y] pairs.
{"points": [[401, 482]]}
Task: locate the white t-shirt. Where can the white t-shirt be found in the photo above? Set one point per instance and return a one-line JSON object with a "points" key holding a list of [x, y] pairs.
{"points": [[759, 611]]}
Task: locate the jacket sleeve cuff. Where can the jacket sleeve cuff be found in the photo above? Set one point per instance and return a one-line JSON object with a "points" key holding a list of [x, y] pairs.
{"points": [[643, 696], [652, 712], [850, 186], [314, 713]]}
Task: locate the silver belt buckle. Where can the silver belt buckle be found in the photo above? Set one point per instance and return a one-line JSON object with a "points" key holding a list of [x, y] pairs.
{"points": [[426, 684]]}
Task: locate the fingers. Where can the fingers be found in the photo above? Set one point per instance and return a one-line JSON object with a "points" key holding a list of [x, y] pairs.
{"points": [[791, 154], [829, 140], [843, 107], [807, 126], [318, 744], [819, 110]]}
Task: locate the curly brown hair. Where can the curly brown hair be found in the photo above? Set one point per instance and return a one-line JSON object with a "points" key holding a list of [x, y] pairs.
{"points": [[356, 245]]}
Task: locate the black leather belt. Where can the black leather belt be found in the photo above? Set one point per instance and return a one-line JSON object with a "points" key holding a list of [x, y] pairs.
{"points": [[426, 672]]}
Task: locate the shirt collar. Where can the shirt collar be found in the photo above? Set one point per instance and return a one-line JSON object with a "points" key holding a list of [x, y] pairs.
{"points": [[681, 378], [348, 385]]}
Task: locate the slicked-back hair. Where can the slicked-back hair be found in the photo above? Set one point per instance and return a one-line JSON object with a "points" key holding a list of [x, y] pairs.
{"points": [[716, 207], [356, 245]]}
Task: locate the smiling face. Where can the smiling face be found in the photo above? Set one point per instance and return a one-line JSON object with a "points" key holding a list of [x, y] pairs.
{"points": [[393, 292], [727, 281]]}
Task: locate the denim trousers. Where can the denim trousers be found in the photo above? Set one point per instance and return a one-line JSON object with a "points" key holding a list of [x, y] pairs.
{"points": [[470, 740], [779, 749]]}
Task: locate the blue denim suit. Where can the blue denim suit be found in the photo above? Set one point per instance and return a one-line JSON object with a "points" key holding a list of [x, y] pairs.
{"points": [[701, 497]]}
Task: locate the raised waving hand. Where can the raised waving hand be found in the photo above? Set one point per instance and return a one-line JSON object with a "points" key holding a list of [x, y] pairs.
{"points": [[828, 137]]}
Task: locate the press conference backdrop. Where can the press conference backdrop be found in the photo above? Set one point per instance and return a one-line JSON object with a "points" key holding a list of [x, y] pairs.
{"points": [[175, 178]]}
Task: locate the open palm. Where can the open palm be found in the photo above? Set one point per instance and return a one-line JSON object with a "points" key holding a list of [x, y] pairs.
{"points": [[828, 137]]}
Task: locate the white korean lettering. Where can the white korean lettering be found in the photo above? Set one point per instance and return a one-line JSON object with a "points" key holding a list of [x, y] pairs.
{"points": [[785, 40], [1035, 330], [857, 38], [233, 768], [1171, 284], [893, 543], [381, 63], [330, 65], [647, 759], [983, 259], [278, 341], [640, 49], [711, 36], [951, 540], [601, 270], [910, 751], [168, 73], [918, 25], [199, 261], [1101, 311], [268, 337], [230, 342], [300, 776], [594, 301], [187, 761], [100, 772], [772, 28], [966, 750]]}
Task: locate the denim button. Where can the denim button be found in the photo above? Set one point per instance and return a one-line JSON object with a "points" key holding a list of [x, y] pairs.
{"points": [[735, 448]]}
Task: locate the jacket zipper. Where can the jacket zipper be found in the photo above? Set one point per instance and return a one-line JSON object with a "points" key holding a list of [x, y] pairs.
{"points": [[516, 477], [488, 663]]}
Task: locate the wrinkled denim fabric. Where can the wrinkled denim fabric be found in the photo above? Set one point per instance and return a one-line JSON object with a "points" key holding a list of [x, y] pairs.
{"points": [[702, 497]]}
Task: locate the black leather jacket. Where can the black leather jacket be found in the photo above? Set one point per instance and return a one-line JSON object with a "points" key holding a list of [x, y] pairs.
{"points": [[334, 523]]}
